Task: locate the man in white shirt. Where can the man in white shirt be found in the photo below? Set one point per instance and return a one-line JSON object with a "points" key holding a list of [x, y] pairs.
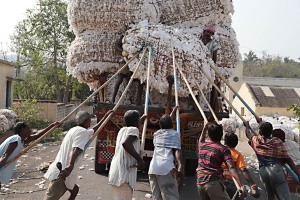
{"points": [[13, 145], [123, 168], [70, 156], [162, 170]]}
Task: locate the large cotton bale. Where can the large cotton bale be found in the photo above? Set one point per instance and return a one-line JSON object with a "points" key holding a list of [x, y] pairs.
{"points": [[11, 117], [190, 13], [3, 124], [190, 53], [97, 26]]}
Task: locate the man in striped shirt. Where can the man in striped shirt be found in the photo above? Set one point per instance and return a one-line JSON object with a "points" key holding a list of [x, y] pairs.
{"points": [[209, 172]]}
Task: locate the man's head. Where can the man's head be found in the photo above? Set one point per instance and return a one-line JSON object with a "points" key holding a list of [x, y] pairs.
{"points": [[231, 140], [132, 118], [209, 31], [279, 133], [265, 129], [83, 119], [165, 122], [215, 132], [22, 129]]}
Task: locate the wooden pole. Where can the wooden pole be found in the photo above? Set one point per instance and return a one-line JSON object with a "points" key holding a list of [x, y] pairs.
{"points": [[233, 90], [66, 117], [227, 100], [192, 93], [176, 88], [207, 103], [118, 103], [146, 104]]}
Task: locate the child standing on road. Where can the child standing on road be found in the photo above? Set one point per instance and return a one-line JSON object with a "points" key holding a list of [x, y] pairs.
{"points": [[123, 168], [231, 141]]}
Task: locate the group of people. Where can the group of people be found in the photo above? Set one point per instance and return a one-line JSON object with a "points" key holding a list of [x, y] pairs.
{"points": [[218, 164]]}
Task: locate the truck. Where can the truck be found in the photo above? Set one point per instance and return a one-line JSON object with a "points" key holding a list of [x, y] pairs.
{"points": [[191, 127]]}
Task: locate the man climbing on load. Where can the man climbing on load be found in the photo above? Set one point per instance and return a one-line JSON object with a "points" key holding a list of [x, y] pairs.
{"points": [[209, 42], [213, 47]]}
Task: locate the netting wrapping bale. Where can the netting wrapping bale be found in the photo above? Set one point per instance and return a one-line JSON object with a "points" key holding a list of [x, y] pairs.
{"points": [[228, 54], [99, 24], [3, 124], [189, 52], [91, 54], [190, 13], [110, 16], [11, 117]]}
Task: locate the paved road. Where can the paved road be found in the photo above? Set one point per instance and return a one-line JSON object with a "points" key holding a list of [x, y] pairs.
{"points": [[93, 186]]}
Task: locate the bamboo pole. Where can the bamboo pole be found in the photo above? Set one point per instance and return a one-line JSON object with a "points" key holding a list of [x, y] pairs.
{"points": [[192, 93], [146, 104], [227, 100], [248, 107], [207, 103], [66, 117], [217, 121], [176, 88], [117, 104], [233, 90]]}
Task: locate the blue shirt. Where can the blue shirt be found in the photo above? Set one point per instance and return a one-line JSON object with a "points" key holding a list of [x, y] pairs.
{"points": [[6, 172]]}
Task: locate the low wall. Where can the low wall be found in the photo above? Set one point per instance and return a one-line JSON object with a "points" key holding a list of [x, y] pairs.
{"points": [[53, 111]]}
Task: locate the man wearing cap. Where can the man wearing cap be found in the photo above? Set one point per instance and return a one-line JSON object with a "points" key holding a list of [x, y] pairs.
{"points": [[209, 42], [212, 46]]}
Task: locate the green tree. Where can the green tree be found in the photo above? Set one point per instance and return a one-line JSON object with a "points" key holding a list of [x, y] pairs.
{"points": [[296, 109], [41, 41], [270, 66], [250, 58]]}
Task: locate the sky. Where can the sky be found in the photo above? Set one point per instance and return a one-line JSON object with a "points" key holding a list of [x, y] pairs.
{"points": [[272, 26]]}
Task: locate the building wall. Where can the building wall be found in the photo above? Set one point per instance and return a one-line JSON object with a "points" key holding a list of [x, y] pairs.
{"points": [[53, 111], [272, 111], [247, 97], [282, 82], [6, 70], [236, 85]]}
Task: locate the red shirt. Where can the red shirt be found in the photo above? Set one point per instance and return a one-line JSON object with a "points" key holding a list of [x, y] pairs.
{"points": [[211, 157]]}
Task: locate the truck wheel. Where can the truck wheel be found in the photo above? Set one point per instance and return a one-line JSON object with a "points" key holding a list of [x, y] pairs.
{"points": [[191, 166]]}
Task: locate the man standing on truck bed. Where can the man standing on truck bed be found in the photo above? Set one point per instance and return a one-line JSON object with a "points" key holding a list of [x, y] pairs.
{"points": [[162, 170], [123, 169]]}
